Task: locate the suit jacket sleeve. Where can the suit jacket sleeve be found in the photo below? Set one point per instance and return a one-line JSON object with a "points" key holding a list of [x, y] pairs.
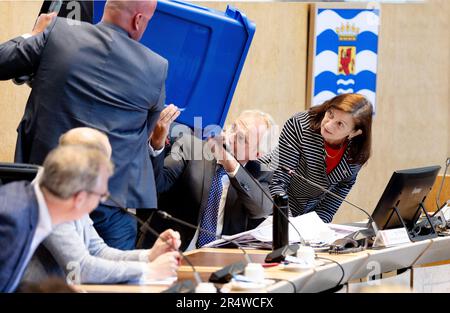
{"points": [[153, 115], [98, 247], [71, 253], [250, 194], [169, 169], [329, 204], [8, 230], [21, 56]]}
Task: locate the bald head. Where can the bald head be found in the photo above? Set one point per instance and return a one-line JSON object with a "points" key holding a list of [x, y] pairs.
{"points": [[130, 15], [86, 136]]}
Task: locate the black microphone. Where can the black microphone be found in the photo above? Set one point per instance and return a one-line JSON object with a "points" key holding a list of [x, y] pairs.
{"points": [[280, 253], [225, 274], [438, 196], [185, 286], [371, 220], [438, 218]]}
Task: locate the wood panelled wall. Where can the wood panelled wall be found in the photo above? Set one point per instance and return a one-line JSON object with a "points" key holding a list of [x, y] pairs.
{"points": [[411, 126]]}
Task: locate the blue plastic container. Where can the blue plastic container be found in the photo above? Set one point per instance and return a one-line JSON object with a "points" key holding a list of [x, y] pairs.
{"points": [[206, 50]]}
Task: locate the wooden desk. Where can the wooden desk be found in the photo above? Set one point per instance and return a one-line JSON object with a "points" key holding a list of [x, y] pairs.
{"points": [[322, 277]]}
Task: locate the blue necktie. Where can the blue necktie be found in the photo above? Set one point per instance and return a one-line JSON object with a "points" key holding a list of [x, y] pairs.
{"points": [[209, 216]]}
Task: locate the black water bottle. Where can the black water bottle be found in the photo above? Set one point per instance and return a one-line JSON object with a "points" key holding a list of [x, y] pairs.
{"points": [[280, 226]]}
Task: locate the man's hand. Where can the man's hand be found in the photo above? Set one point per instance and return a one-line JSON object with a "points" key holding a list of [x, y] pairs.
{"points": [[42, 22], [223, 157], [160, 247], [159, 134], [164, 266]]}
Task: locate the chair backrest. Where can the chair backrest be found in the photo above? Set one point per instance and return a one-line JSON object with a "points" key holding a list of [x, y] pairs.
{"points": [[10, 172]]}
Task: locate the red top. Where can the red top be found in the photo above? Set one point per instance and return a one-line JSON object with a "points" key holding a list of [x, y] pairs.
{"points": [[334, 156]]}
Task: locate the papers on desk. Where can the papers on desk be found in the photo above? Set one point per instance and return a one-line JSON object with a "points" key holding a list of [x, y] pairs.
{"points": [[310, 226]]}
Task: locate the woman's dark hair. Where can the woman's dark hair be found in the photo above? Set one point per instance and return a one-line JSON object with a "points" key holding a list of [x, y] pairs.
{"points": [[361, 110]]}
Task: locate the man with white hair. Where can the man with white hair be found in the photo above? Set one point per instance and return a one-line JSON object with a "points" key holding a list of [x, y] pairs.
{"points": [[211, 186], [74, 249], [95, 76]]}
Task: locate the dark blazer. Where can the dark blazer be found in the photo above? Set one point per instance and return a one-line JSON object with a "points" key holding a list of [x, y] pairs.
{"points": [[183, 182], [19, 214], [94, 76]]}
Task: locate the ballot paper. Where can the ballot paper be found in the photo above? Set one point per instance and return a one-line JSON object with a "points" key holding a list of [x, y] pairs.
{"points": [[310, 226]]}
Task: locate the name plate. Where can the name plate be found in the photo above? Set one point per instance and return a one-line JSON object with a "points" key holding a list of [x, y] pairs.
{"points": [[391, 237]]}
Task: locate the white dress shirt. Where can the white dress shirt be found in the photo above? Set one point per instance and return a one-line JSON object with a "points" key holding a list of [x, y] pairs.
{"points": [[221, 212]]}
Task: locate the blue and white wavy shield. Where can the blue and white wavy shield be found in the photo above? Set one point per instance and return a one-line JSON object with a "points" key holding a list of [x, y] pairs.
{"points": [[334, 73]]}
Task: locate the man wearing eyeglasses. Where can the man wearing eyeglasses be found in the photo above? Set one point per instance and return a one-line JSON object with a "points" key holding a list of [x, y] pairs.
{"points": [[28, 212], [75, 250], [202, 183]]}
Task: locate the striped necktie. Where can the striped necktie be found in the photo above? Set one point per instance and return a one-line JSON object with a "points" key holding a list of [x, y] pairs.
{"points": [[209, 215]]}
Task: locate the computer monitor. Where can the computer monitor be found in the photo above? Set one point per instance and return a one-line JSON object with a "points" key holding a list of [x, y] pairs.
{"points": [[406, 191], [10, 172]]}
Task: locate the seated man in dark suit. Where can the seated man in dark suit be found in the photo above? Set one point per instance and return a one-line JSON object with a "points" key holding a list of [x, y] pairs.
{"points": [[74, 181], [201, 183]]}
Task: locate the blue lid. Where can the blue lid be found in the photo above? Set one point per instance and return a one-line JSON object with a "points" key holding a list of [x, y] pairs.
{"points": [[206, 50]]}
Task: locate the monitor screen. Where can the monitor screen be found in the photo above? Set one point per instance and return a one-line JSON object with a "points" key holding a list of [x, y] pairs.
{"points": [[10, 172], [405, 191]]}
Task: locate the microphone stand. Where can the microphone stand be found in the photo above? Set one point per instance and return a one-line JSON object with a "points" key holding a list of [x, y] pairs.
{"points": [[438, 218], [279, 254], [438, 196], [371, 222], [178, 286], [302, 241], [167, 216], [225, 274]]}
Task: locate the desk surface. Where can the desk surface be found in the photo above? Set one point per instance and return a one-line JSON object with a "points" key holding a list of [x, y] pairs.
{"points": [[322, 277]]}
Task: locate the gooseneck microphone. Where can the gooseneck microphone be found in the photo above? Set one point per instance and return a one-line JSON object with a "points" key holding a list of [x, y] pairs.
{"points": [[225, 274], [438, 196], [278, 254], [157, 235], [268, 196], [293, 173], [438, 218], [167, 216]]}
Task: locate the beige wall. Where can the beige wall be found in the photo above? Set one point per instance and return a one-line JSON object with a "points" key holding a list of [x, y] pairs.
{"points": [[413, 107], [274, 75], [411, 124], [16, 18]]}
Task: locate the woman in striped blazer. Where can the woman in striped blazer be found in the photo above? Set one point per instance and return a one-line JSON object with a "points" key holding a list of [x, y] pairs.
{"points": [[327, 145]]}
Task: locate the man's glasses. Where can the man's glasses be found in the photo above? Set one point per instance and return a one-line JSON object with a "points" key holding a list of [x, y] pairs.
{"points": [[103, 196]]}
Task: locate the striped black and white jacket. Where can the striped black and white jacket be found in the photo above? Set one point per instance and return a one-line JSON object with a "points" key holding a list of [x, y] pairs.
{"points": [[301, 149]]}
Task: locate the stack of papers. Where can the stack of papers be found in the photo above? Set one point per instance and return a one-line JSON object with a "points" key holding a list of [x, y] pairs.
{"points": [[311, 228]]}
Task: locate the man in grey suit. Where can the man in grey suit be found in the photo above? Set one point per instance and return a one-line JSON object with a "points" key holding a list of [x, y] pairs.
{"points": [[74, 180], [201, 183], [96, 76]]}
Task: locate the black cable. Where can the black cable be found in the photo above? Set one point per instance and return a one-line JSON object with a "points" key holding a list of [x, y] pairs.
{"points": [[340, 266], [293, 173], [166, 215], [155, 233], [438, 206]]}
